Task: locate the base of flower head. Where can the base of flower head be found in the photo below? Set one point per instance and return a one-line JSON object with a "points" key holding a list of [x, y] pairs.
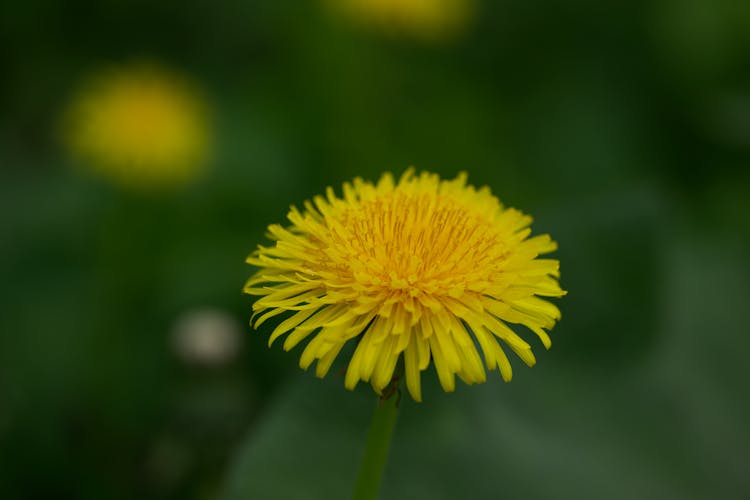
{"points": [[454, 350]]}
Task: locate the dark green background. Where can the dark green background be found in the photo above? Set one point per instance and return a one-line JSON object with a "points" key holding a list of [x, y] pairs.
{"points": [[623, 127]]}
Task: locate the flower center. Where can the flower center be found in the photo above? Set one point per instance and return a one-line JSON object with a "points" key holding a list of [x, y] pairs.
{"points": [[412, 244]]}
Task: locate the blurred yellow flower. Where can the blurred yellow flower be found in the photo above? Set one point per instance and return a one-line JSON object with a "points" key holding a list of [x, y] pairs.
{"points": [[139, 125], [423, 19], [426, 268]]}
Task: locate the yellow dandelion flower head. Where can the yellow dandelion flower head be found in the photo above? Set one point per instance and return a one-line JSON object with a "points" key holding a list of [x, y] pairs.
{"points": [[429, 20], [421, 269], [139, 125]]}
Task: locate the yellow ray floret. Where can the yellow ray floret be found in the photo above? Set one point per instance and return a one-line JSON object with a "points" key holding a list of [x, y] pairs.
{"points": [[423, 269]]}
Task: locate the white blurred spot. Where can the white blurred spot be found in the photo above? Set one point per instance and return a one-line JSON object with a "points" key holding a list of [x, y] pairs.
{"points": [[206, 337]]}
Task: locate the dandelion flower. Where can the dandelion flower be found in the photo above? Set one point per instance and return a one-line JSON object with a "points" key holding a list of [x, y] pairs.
{"points": [[423, 269], [139, 125], [428, 20]]}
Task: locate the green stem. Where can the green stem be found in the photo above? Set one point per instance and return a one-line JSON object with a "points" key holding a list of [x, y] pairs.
{"points": [[376, 448]]}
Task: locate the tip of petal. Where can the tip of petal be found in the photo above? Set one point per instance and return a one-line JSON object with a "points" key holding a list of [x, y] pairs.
{"points": [[352, 377]]}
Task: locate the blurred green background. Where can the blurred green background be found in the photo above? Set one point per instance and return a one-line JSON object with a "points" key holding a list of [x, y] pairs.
{"points": [[623, 127]]}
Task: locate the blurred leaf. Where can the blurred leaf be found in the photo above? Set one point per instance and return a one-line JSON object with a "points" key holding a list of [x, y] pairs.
{"points": [[308, 445]]}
